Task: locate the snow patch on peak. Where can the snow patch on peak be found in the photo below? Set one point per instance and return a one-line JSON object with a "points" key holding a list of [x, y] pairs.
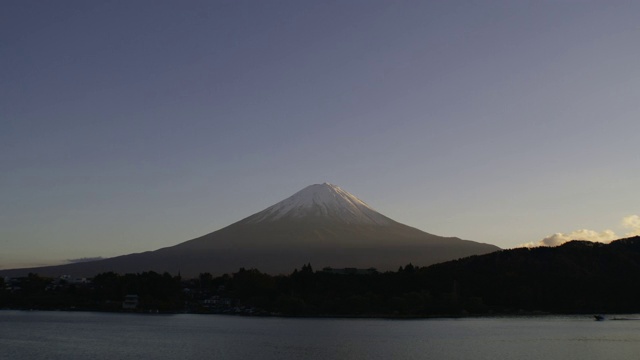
{"points": [[322, 200]]}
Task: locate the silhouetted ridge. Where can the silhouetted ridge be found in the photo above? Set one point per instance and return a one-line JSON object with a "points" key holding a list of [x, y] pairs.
{"points": [[578, 276]]}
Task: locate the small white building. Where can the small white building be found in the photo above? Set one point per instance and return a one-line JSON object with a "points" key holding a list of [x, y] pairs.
{"points": [[130, 302]]}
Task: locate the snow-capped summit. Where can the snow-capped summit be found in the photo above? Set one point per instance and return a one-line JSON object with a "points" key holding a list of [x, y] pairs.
{"points": [[322, 201]]}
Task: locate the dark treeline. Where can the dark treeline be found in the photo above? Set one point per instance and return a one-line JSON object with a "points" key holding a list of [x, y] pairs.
{"points": [[577, 277]]}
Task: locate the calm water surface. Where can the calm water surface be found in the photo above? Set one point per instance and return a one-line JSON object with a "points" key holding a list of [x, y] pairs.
{"points": [[76, 335]]}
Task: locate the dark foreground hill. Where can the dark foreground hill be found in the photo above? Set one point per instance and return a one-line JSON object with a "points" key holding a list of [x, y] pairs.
{"points": [[576, 277]]}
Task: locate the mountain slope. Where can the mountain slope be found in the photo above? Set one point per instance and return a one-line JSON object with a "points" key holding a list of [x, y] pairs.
{"points": [[321, 224]]}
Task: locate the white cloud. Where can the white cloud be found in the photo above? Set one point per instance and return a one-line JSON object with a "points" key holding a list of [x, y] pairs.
{"points": [[583, 234], [631, 222]]}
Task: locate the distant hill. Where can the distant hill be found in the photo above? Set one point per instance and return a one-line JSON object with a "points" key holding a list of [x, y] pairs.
{"points": [[321, 224]]}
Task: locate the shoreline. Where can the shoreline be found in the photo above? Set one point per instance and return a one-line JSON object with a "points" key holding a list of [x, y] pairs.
{"points": [[536, 314]]}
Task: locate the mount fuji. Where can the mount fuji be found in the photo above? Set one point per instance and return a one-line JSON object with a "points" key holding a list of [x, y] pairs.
{"points": [[321, 224]]}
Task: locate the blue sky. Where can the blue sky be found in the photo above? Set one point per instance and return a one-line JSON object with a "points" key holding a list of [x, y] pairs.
{"points": [[130, 126]]}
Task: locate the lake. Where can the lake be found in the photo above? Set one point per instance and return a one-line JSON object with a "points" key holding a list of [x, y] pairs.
{"points": [[85, 335]]}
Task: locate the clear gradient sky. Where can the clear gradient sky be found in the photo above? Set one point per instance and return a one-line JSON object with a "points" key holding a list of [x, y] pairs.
{"points": [[128, 126]]}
